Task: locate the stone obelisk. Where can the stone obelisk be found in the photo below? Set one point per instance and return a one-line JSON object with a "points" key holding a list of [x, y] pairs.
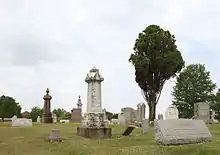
{"points": [[93, 125], [94, 94], [95, 116], [47, 115]]}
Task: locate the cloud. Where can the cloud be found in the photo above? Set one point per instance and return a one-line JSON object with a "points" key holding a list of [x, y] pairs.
{"points": [[54, 44]]}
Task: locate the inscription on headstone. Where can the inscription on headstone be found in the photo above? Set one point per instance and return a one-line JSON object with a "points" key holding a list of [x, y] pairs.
{"points": [[181, 131]]}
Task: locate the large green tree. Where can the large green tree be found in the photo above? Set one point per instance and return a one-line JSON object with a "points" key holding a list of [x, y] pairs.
{"points": [[216, 105], [60, 113], [155, 59], [9, 107], [193, 85], [35, 112]]}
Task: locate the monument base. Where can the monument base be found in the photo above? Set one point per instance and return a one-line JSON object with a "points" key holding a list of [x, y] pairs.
{"points": [[94, 132], [47, 120], [93, 120]]}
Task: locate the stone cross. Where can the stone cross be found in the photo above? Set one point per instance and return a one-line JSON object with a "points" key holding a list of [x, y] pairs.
{"points": [[47, 116]]}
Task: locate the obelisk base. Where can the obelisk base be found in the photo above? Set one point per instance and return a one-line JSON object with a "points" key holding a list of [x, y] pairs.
{"points": [[93, 126], [47, 118]]}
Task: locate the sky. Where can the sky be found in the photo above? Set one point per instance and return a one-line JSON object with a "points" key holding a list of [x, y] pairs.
{"points": [[53, 44]]}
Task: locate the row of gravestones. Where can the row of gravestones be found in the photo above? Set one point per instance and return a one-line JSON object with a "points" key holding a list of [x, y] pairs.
{"points": [[173, 130], [202, 111], [27, 122]]}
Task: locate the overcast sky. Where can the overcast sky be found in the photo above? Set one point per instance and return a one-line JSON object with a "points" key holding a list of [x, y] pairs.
{"points": [[53, 43]]}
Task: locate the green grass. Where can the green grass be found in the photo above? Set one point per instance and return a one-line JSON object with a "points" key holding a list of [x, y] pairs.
{"points": [[30, 141]]}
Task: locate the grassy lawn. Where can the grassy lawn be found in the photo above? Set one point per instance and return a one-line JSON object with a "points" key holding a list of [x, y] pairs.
{"points": [[30, 141]]}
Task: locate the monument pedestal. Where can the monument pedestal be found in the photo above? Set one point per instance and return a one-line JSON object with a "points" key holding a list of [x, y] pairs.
{"points": [[47, 118], [93, 126], [90, 132]]}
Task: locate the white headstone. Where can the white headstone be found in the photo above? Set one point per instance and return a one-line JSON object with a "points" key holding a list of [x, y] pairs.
{"points": [[145, 126], [181, 131], [54, 118], [64, 121], [14, 118], [172, 112], [38, 119], [21, 122], [121, 119]]}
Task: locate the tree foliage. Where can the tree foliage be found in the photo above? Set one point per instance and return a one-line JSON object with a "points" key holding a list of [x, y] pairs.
{"points": [[35, 112], [109, 115], [216, 105], [61, 114], [193, 85], [115, 116], [9, 107], [155, 59]]}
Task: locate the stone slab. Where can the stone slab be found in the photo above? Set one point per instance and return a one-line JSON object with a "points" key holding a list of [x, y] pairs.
{"points": [[21, 122], [181, 131], [94, 132], [128, 130]]}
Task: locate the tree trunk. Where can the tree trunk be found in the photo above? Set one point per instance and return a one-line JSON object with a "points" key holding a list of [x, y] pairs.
{"points": [[152, 111]]}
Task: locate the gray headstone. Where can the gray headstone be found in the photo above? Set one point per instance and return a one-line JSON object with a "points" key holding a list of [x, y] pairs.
{"points": [[202, 111], [145, 126], [181, 131], [54, 136]]}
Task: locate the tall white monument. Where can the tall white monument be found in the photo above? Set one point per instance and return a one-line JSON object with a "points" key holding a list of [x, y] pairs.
{"points": [[94, 94], [94, 116]]}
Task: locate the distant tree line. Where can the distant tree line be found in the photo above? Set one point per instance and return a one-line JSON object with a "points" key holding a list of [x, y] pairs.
{"points": [[9, 107]]}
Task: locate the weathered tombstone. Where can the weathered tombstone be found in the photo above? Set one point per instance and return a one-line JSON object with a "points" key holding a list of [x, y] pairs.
{"points": [[121, 119], [141, 108], [54, 136], [47, 116], [64, 121], [172, 112], [14, 118], [38, 119], [21, 122], [54, 118], [145, 126], [160, 116], [202, 111], [93, 125], [128, 130], [181, 131]]}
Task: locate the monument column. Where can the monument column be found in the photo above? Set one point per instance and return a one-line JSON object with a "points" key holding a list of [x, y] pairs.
{"points": [[92, 124], [94, 95], [94, 116], [47, 116]]}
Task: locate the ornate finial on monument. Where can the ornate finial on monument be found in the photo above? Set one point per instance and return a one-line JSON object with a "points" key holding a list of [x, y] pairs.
{"points": [[47, 91], [79, 103]]}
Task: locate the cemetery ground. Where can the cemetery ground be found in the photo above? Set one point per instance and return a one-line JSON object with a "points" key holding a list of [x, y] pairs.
{"points": [[30, 141]]}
